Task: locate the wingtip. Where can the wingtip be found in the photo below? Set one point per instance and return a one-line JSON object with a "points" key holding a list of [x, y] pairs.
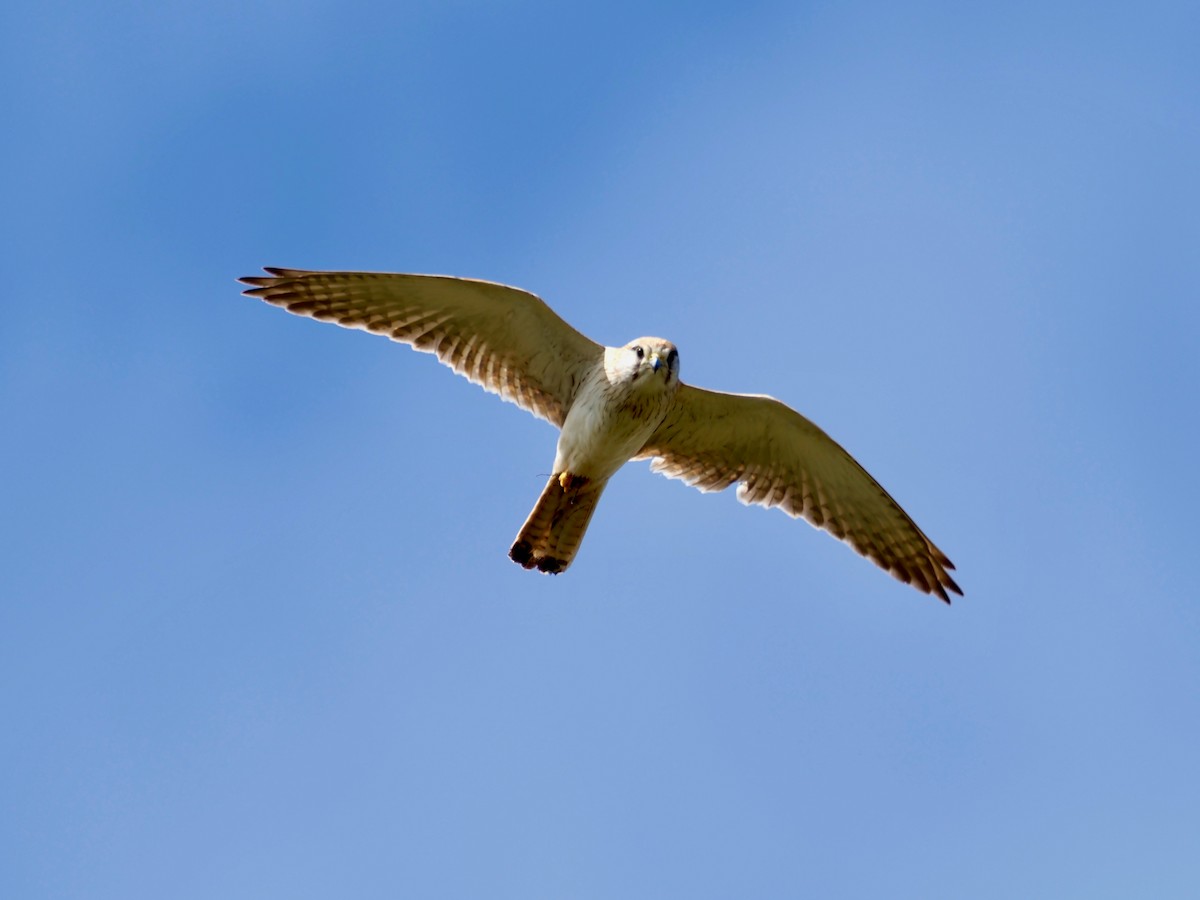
{"points": [[944, 584], [260, 284], [274, 273], [284, 272], [257, 281]]}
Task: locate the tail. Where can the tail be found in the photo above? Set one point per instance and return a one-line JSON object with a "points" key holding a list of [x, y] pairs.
{"points": [[550, 537]]}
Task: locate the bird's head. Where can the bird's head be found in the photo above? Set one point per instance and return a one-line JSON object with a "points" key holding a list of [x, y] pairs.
{"points": [[648, 359]]}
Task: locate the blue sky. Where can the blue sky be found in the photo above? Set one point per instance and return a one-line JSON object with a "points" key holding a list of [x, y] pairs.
{"points": [[259, 634]]}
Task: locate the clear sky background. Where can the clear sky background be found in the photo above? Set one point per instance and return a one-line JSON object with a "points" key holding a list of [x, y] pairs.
{"points": [[259, 635]]}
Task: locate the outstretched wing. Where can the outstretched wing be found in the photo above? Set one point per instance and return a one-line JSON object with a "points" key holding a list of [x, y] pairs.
{"points": [[710, 440], [502, 338]]}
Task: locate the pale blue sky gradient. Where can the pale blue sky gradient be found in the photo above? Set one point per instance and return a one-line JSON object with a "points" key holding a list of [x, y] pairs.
{"points": [[259, 636]]}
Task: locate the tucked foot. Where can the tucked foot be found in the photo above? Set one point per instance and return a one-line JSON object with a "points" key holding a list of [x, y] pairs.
{"points": [[569, 482]]}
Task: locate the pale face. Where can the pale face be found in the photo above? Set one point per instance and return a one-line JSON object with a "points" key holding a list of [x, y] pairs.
{"points": [[648, 358]]}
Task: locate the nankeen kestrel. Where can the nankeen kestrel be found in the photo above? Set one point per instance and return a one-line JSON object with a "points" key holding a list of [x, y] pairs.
{"points": [[614, 404]]}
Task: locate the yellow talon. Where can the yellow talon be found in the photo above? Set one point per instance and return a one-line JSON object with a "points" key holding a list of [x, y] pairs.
{"points": [[569, 482]]}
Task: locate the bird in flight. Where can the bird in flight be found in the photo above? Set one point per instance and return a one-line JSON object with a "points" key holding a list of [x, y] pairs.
{"points": [[613, 405]]}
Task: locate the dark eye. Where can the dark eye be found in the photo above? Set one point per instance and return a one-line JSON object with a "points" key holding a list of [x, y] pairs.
{"points": [[640, 352], [672, 356]]}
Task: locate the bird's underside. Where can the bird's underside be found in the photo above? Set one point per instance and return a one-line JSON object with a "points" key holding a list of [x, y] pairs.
{"points": [[615, 404]]}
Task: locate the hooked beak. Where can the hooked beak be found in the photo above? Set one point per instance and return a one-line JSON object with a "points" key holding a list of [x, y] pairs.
{"points": [[655, 361]]}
